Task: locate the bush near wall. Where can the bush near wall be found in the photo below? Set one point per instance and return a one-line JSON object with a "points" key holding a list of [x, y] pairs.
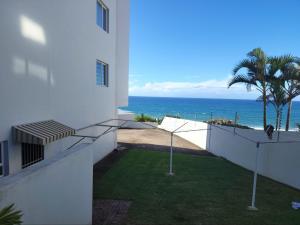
{"points": [[145, 118], [226, 122], [10, 216]]}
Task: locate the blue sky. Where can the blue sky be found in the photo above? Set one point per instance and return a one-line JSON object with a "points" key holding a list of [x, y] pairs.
{"points": [[188, 48]]}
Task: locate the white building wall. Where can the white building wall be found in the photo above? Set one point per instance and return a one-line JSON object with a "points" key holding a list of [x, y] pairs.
{"points": [[48, 71], [122, 63], [55, 191], [278, 161], [48, 65]]}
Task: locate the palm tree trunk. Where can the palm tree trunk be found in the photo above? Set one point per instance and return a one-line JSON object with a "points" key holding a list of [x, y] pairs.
{"points": [[288, 116], [265, 104]]}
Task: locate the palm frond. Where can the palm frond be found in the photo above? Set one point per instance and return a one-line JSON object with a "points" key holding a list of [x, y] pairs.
{"points": [[291, 73], [10, 216], [275, 64], [245, 64], [278, 94], [242, 79], [297, 60], [258, 55]]}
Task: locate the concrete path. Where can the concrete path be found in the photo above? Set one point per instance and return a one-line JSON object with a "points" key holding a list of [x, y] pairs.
{"points": [[155, 139]]}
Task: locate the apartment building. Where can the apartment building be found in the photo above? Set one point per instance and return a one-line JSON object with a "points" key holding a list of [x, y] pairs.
{"points": [[63, 67]]}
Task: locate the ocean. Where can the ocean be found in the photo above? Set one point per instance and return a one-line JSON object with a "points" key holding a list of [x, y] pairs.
{"points": [[250, 112]]}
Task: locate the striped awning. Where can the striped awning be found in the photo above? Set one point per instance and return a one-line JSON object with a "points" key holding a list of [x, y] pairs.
{"points": [[41, 133]]}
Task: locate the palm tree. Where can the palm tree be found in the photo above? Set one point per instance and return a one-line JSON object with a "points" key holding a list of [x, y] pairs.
{"points": [[285, 67], [256, 66], [277, 98], [291, 76]]}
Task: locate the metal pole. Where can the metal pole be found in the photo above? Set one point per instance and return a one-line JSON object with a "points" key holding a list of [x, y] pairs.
{"points": [[211, 118], [252, 207], [235, 122], [279, 127], [171, 156]]}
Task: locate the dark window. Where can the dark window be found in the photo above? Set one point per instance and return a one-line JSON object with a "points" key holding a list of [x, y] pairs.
{"points": [[1, 159], [101, 74], [102, 15], [4, 163], [31, 154]]}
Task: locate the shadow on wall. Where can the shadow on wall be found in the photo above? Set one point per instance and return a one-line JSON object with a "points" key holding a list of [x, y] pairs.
{"points": [[208, 138]]}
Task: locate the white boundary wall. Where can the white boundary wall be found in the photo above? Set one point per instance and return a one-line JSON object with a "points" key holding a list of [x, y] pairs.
{"points": [[55, 191], [278, 161]]}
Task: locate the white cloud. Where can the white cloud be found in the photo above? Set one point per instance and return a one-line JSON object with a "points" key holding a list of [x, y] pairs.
{"points": [[205, 89]]}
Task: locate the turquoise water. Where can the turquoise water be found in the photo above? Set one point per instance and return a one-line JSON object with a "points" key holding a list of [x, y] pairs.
{"points": [[249, 111]]}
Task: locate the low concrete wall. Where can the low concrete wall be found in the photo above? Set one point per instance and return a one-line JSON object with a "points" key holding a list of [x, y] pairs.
{"points": [[125, 115], [129, 117], [198, 138], [278, 161], [54, 191]]}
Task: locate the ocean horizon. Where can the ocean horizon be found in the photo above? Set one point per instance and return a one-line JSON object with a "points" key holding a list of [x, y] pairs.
{"points": [[250, 112]]}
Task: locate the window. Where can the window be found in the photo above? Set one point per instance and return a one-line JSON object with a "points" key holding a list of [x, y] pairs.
{"points": [[102, 15], [1, 160], [31, 154], [101, 74], [4, 168]]}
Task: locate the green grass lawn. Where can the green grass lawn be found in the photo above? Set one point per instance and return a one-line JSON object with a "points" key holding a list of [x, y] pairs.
{"points": [[204, 190]]}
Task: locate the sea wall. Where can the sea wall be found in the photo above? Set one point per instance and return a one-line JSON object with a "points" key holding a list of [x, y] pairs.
{"points": [[278, 161]]}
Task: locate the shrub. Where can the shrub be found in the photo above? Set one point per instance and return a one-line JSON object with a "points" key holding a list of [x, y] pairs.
{"points": [[10, 216], [298, 126], [226, 122], [145, 118]]}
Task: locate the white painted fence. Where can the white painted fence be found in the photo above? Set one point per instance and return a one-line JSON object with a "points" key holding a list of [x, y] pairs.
{"points": [[54, 191], [278, 161]]}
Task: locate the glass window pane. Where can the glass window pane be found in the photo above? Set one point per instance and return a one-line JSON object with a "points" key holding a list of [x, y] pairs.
{"points": [[98, 74], [101, 74], [105, 19], [99, 15], [106, 75]]}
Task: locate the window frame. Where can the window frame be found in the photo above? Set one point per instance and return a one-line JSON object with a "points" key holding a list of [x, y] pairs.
{"points": [[105, 77], [105, 19]]}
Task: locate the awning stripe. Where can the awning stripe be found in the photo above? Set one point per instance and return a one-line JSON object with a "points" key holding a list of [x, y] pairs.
{"points": [[43, 132], [29, 132]]}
